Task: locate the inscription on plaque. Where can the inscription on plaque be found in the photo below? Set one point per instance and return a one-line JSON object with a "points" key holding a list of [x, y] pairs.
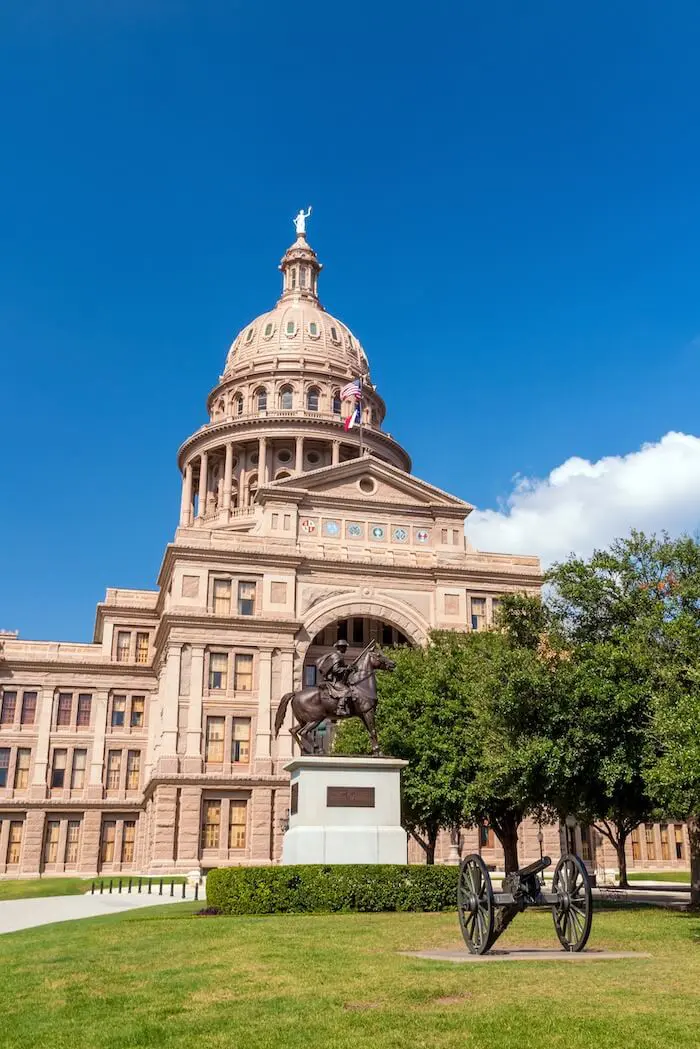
{"points": [[350, 797], [294, 800]]}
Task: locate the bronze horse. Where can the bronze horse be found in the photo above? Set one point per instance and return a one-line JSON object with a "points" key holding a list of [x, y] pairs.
{"points": [[311, 706]]}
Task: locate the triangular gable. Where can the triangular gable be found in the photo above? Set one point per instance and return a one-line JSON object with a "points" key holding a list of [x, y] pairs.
{"points": [[365, 479]]}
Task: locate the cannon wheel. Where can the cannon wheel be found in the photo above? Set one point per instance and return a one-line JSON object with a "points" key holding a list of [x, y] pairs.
{"points": [[573, 911], [475, 904]]}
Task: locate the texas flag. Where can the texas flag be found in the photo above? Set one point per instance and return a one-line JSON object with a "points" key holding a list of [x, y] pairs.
{"points": [[354, 419]]}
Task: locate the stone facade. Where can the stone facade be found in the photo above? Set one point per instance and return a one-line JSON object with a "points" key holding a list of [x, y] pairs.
{"points": [[151, 749]]}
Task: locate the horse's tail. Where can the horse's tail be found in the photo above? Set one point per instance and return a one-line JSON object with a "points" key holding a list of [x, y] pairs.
{"points": [[281, 711]]}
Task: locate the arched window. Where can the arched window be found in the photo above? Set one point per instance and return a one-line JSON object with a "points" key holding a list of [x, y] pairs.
{"points": [[312, 397], [238, 404], [286, 398], [281, 474], [249, 335], [261, 398], [294, 276], [234, 495], [336, 402], [252, 487], [302, 276]]}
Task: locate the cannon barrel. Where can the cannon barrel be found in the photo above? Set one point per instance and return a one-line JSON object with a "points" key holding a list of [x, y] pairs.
{"points": [[534, 868]]}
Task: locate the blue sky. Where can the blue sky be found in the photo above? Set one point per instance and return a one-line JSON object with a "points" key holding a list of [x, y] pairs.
{"points": [[506, 203]]}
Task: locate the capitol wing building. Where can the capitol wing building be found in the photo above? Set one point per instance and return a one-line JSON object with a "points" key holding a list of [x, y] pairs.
{"points": [[152, 749]]}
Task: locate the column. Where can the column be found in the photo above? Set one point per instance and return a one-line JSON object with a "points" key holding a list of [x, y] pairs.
{"points": [[262, 461], [100, 704], [299, 460], [262, 738], [169, 698], [203, 474], [242, 494], [193, 752], [186, 504], [284, 740], [228, 476], [39, 780], [335, 453]]}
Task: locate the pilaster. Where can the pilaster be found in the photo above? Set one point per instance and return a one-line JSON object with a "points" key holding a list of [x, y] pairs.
{"points": [[167, 758], [263, 761], [193, 752], [38, 788]]}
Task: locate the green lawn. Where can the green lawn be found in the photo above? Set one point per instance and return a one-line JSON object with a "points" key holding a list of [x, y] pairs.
{"points": [[166, 978], [30, 888], [680, 876]]}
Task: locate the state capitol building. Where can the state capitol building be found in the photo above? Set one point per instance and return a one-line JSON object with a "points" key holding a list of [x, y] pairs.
{"points": [[151, 749]]}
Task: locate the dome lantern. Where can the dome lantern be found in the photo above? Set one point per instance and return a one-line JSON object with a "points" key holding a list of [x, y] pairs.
{"points": [[300, 269]]}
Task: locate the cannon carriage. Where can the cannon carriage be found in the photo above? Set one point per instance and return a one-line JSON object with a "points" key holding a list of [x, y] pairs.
{"points": [[485, 914]]}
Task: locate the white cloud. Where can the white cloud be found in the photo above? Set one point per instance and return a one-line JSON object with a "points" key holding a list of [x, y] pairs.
{"points": [[583, 505]]}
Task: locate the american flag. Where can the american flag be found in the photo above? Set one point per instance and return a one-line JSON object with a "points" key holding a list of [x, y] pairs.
{"points": [[353, 391]]}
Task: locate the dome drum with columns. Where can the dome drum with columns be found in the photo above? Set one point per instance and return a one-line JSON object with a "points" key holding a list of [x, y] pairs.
{"points": [[152, 749]]}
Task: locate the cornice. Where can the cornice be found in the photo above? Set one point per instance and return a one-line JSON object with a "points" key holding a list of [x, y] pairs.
{"points": [[71, 666], [241, 780], [174, 551]]}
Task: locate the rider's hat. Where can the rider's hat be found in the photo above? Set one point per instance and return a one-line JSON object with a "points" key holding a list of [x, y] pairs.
{"points": [[341, 643]]}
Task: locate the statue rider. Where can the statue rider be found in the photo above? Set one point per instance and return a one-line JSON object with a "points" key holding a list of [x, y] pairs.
{"points": [[335, 673]]}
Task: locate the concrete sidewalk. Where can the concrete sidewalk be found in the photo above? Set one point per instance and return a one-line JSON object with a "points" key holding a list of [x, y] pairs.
{"points": [[27, 914]]}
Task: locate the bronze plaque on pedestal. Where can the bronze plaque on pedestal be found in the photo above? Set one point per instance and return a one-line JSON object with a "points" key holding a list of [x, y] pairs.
{"points": [[350, 797]]}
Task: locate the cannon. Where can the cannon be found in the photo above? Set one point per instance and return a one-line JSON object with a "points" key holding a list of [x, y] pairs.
{"points": [[485, 914]]}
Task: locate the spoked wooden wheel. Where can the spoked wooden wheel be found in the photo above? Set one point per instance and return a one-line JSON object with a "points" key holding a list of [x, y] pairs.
{"points": [[475, 904], [573, 910]]}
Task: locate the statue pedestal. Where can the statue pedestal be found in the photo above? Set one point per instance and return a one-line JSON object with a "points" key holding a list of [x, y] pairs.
{"points": [[345, 810]]}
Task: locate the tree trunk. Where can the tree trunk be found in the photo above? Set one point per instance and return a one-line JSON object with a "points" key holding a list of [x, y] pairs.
{"points": [[694, 838], [621, 859], [432, 841], [508, 837]]}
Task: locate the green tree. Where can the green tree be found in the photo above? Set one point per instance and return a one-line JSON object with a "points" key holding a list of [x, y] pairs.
{"points": [[421, 718]]}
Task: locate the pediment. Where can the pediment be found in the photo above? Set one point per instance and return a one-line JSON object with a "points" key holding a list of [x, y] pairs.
{"points": [[366, 480]]}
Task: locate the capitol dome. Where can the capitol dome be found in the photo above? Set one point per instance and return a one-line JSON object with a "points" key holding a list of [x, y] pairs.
{"points": [[298, 327]]}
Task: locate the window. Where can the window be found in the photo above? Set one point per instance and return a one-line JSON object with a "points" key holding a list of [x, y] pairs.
{"points": [[84, 706], [22, 768], [7, 713], [636, 850], [478, 613], [485, 836], [650, 842], [58, 768], [249, 335], [312, 397], [246, 599], [241, 741], [123, 645], [286, 398], [214, 743], [128, 841], [222, 597], [236, 825], [335, 402], [334, 334], [109, 831], [65, 709], [133, 768], [268, 330], [14, 842], [665, 847], [291, 327], [4, 765], [211, 824], [243, 673], [586, 843], [142, 647], [302, 276], [678, 838], [77, 776], [137, 705], [309, 676], [313, 329], [218, 670], [72, 840], [358, 631], [53, 829], [261, 395], [28, 708], [294, 277], [114, 767], [118, 711], [238, 404]]}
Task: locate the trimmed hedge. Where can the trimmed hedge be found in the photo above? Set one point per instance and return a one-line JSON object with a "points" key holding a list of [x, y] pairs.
{"points": [[342, 887]]}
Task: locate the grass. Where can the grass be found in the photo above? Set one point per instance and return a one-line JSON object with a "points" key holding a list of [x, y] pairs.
{"points": [[32, 888], [166, 978], [680, 876]]}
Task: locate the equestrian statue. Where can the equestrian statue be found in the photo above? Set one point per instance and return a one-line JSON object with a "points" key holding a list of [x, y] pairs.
{"points": [[347, 690]]}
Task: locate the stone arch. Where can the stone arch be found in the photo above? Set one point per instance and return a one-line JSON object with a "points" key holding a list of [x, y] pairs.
{"points": [[346, 606]]}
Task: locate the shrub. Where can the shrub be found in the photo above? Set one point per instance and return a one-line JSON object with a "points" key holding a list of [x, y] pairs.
{"points": [[342, 887]]}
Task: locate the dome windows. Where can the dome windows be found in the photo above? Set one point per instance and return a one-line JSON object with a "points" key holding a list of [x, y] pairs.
{"points": [[269, 329], [335, 402], [302, 276], [285, 456], [312, 398], [261, 399], [334, 334], [314, 458], [249, 335], [238, 404], [286, 398], [290, 329], [313, 329], [293, 278]]}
